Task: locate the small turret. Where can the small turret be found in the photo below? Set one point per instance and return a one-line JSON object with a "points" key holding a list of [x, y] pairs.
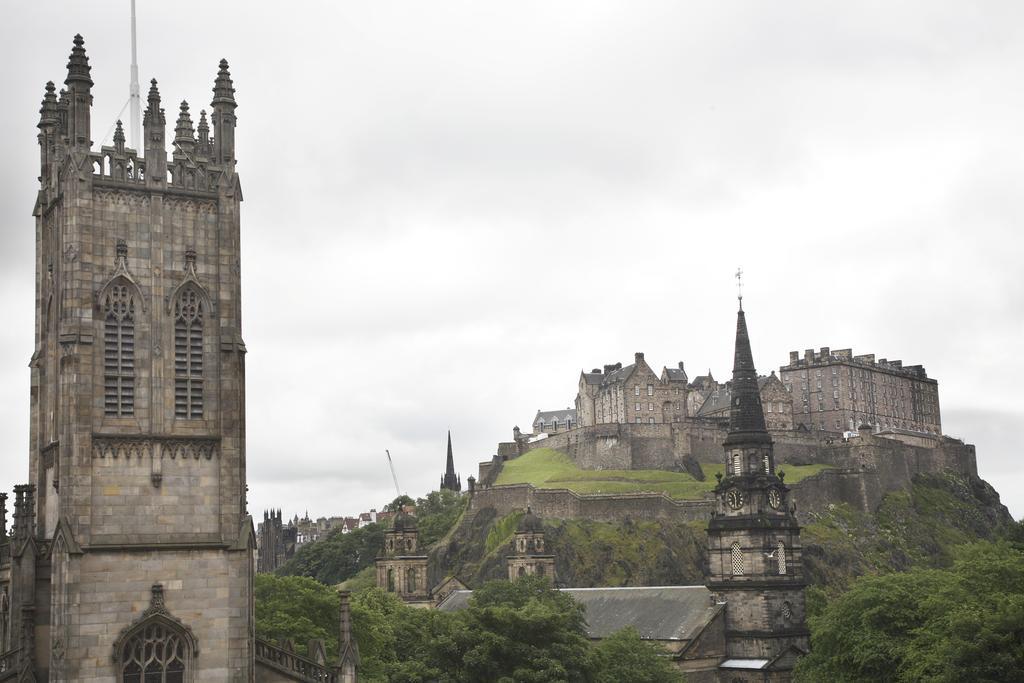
{"points": [[224, 117], [49, 125], [119, 138], [79, 97], [184, 134], [3, 518], [203, 129], [154, 126]]}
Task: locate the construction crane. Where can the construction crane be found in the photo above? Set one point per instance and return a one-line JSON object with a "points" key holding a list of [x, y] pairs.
{"points": [[394, 476]]}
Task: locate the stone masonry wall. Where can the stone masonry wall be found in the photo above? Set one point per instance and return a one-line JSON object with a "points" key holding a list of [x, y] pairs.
{"points": [[209, 591]]}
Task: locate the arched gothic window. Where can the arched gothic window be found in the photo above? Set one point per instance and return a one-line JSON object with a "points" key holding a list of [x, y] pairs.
{"points": [[188, 355], [410, 581], [540, 570], [391, 580], [737, 463], [780, 557], [157, 648], [737, 559], [155, 654], [767, 464], [119, 351], [522, 570]]}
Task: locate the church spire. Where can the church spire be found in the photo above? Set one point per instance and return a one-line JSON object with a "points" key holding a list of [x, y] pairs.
{"points": [[746, 416], [450, 480]]}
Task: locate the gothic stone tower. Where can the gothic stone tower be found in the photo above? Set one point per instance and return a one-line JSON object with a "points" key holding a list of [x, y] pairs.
{"points": [[753, 536], [400, 570], [138, 527], [530, 558]]}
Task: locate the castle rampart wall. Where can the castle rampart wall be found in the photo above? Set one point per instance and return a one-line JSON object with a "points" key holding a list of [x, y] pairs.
{"points": [[864, 470]]}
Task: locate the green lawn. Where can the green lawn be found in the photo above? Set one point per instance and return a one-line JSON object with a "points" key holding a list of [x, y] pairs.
{"points": [[549, 469]]}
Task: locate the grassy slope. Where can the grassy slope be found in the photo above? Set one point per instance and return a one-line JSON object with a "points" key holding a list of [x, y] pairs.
{"points": [[547, 468]]}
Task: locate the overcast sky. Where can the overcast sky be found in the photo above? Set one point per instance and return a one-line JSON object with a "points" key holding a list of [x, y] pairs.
{"points": [[451, 208]]}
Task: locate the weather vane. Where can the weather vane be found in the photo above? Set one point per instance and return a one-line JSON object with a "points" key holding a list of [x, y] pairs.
{"points": [[739, 286]]}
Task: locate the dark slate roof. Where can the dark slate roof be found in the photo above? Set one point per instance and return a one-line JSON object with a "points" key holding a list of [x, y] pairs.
{"points": [[593, 377], [657, 612], [620, 375], [551, 415], [676, 374], [717, 401]]}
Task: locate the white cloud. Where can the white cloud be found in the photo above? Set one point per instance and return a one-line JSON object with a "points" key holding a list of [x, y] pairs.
{"points": [[453, 208]]}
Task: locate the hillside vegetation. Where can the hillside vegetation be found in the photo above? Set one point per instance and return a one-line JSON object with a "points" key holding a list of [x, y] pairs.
{"points": [[546, 468]]}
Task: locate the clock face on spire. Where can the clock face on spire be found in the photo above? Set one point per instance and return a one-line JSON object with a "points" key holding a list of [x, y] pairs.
{"points": [[774, 498], [734, 498]]}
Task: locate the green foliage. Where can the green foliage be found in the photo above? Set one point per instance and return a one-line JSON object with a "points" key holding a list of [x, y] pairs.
{"points": [[941, 625], [399, 503], [523, 631], [502, 530], [547, 468], [362, 580], [919, 527], [627, 553], [437, 514], [337, 557], [624, 657], [298, 608]]}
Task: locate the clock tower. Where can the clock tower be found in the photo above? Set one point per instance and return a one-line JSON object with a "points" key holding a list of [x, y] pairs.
{"points": [[753, 536]]}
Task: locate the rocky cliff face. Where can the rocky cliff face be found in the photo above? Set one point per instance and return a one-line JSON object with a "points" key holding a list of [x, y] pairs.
{"points": [[915, 526]]}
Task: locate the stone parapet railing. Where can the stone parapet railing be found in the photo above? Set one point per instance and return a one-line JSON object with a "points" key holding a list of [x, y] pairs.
{"points": [[293, 666], [9, 665]]}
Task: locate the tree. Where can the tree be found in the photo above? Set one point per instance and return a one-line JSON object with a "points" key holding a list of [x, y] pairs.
{"points": [[960, 624], [398, 503], [337, 557], [623, 656], [296, 608]]}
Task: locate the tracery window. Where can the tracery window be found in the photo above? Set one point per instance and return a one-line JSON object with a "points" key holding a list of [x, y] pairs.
{"points": [[118, 352], [737, 559], [188, 355], [155, 654], [410, 581], [391, 580], [780, 557]]}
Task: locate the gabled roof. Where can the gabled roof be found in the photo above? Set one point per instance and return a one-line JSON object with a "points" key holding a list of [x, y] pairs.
{"points": [[592, 377], [620, 375], [657, 612], [675, 374], [552, 415]]}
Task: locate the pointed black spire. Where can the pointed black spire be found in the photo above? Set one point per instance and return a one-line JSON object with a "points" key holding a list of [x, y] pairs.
{"points": [[746, 417], [450, 481]]}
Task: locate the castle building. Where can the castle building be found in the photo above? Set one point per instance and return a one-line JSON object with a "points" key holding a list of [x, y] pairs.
{"points": [[530, 557], [400, 569], [554, 421], [450, 481], [754, 547], [776, 401], [133, 527], [834, 390], [632, 394]]}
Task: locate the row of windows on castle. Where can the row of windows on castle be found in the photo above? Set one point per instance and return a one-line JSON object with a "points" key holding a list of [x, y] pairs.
{"points": [[119, 311]]}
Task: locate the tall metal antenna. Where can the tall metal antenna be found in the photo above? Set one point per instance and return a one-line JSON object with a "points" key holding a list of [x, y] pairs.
{"points": [[134, 99], [739, 286]]}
